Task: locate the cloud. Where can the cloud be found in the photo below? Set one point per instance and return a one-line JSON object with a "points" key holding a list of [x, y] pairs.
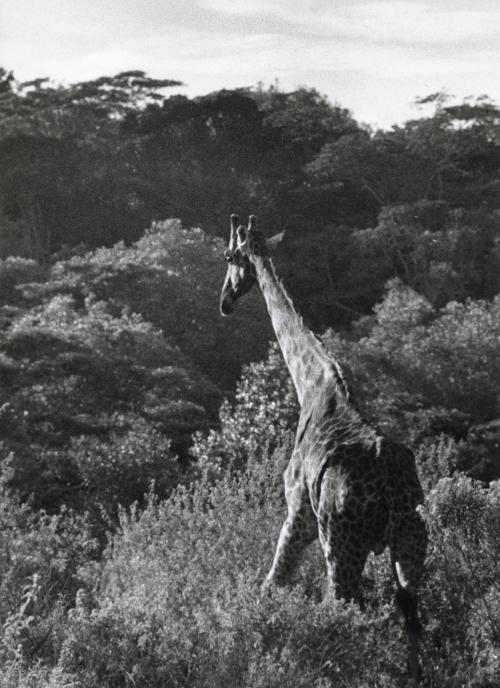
{"points": [[414, 22], [392, 21], [373, 55]]}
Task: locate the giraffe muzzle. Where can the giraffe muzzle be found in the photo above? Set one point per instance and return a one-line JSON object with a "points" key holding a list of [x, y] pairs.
{"points": [[227, 303]]}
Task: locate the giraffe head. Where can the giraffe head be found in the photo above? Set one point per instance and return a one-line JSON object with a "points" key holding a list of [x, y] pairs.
{"points": [[245, 243]]}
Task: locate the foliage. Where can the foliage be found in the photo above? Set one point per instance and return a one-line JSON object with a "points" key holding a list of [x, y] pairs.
{"points": [[177, 600], [380, 165], [449, 155], [193, 560], [42, 107], [443, 254], [95, 162], [462, 597], [41, 558], [302, 121], [320, 269], [265, 409], [120, 469], [58, 144], [172, 277], [420, 371], [13, 273], [113, 354], [76, 379]]}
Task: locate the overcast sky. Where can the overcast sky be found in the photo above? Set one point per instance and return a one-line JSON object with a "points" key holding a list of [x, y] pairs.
{"points": [[372, 56]]}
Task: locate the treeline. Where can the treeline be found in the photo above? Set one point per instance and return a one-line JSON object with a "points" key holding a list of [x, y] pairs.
{"points": [[94, 163], [118, 376]]}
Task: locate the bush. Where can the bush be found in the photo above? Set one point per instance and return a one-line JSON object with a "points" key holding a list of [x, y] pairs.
{"points": [[179, 602], [461, 598], [120, 469], [14, 272], [264, 411], [419, 372], [172, 278], [84, 381], [41, 569]]}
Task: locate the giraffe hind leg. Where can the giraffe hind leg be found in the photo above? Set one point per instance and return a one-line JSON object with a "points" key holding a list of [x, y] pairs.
{"points": [[345, 558], [347, 579]]}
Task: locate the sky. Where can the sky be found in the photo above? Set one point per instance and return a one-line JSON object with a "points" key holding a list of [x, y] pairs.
{"points": [[371, 56]]}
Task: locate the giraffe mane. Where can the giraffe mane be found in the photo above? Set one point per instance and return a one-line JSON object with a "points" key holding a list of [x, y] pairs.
{"points": [[340, 377]]}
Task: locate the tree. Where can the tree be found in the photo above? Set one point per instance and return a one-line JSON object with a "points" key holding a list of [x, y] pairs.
{"points": [[67, 175], [200, 157], [420, 371], [452, 155], [94, 405], [378, 165], [79, 110], [302, 121], [172, 277], [446, 254]]}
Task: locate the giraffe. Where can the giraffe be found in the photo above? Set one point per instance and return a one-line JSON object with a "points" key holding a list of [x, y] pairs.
{"points": [[345, 483]]}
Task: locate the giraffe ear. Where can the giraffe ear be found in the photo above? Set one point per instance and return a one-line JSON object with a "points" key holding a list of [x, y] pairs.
{"points": [[273, 241]]}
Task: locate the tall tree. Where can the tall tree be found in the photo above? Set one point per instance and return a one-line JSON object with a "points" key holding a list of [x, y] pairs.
{"points": [[452, 155], [66, 173]]}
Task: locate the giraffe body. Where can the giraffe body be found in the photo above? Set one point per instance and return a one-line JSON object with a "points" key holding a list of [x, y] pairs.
{"points": [[356, 490], [346, 484]]}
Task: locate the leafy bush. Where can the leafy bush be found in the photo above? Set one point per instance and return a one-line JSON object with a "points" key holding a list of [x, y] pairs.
{"points": [[41, 563], [179, 601], [421, 371], [445, 254], [84, 380], [462, 593], [265, 409], [172, 278], [14, 272], [120, 469]]}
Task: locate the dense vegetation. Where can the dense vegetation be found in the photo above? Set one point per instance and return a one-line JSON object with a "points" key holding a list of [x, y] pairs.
{"points": [[143, 438]]}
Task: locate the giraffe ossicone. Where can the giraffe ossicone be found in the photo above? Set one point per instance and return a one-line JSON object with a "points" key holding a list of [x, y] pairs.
{"points": [[345, 483]]}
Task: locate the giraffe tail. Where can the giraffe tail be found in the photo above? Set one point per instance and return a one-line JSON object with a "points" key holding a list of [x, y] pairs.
{"points": [[407, 604]]}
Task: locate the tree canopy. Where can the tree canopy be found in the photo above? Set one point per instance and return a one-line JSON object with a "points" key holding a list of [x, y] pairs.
{"points": [[143, 437]]}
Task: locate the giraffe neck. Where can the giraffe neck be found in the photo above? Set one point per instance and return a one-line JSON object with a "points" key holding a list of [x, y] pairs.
{"points": [[305, 357]]}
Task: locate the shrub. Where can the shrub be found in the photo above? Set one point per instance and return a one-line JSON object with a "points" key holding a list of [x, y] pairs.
{"points": [[420, 372], [172, 278], [461, 598], [176, 600], [78, 381], [179, 602], [120, 469], [41, 562], [14, 272], [264, 410]]}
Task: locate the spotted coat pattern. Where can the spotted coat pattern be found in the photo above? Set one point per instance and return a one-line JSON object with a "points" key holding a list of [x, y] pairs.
{"points": [[346, 484]]}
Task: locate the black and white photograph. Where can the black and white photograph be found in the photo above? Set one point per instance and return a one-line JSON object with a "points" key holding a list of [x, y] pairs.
{"points": [[249, 344]]}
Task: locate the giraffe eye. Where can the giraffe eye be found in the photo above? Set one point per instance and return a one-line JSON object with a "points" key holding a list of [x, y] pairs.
{"points": [[228, 256]]}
